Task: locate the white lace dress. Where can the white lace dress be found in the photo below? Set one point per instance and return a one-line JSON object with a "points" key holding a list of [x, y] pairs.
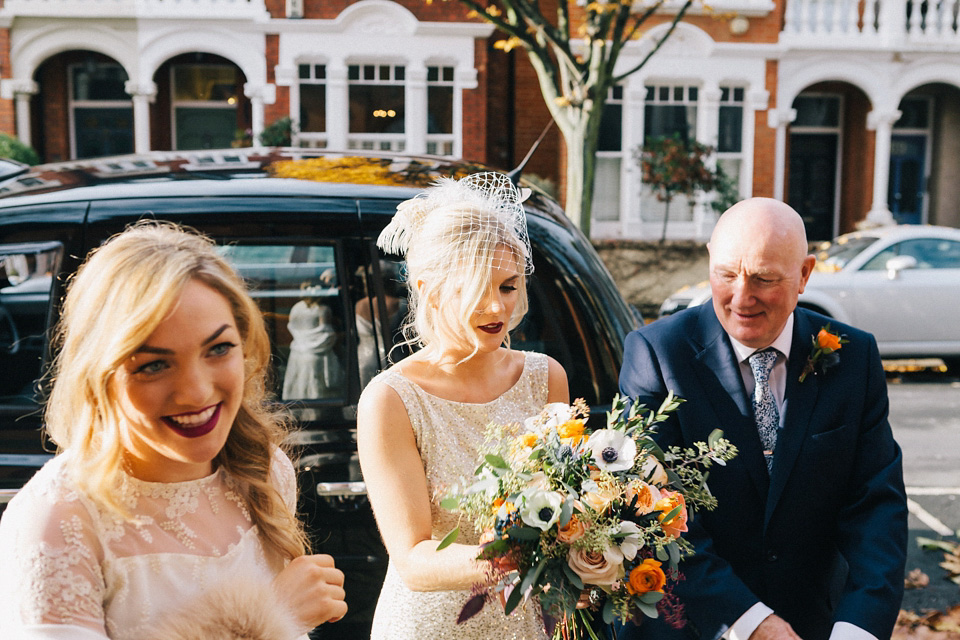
{"points": [[449, 435], [72, 570]]}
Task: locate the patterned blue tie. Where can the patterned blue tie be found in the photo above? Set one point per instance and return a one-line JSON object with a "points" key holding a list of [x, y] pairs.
{"points": [[765, 411]]}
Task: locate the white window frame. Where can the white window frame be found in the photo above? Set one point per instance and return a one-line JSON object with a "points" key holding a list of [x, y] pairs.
{"points": [[443, 144], [73, 104], [203, 104], [396, 142], [311, 139]]}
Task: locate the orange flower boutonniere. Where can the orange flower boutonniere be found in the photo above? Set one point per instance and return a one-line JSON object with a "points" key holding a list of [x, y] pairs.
{"points": [[825, 347]]}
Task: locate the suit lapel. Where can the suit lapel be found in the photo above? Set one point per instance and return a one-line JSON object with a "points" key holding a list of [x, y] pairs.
{"points": [[799, 402], [719, 373]]}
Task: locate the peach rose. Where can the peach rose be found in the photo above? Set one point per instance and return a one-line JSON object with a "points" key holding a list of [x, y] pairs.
{"points": [[595, 567], [573, 531], [677, 524], [827, 341], [646, 577], [646, 496], [600, 499], [653, 472]]}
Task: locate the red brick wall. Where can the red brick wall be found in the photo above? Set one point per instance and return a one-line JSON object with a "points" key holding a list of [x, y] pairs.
{"points": [[280, 108], [475, 108], [765, 141], [436, 11], [7, 120]]}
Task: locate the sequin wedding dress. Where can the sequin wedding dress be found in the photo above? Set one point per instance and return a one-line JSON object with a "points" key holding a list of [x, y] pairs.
{"points": [[449, 435]]}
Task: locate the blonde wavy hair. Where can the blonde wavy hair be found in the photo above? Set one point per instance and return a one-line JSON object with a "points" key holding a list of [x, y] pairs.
{"points": [[450, 237], [116, 300]]}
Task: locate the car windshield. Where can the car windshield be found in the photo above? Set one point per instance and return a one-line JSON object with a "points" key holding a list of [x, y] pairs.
{"points": [[837, 254]]}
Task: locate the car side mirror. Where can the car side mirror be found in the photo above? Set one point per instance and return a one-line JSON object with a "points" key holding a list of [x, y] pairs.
{"points": [[899, 263]]}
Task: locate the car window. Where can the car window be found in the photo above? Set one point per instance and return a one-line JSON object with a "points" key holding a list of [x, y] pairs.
{"points": [[298, 289], [842, 251], [26, 279], [930, 253]]}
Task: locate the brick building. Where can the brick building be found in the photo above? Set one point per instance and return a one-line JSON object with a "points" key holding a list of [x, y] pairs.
{"points": [[846, 109]]}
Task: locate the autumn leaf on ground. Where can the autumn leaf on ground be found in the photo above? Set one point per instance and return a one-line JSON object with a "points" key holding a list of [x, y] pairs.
{"points": [[916, 579]]}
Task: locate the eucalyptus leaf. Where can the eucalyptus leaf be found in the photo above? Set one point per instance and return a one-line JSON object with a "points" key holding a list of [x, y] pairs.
{"points": [[523, 533], [566, 511], [572, 576], [662, 554], [714, 437], [450, 504], [674, 549], [673, 513], [513, 600], [651, 597], [496, 461], [649, 610], [449, 539], [608, 611]]}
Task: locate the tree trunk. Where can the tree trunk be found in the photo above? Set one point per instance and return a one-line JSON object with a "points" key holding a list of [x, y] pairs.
{"points": [[666, 217], [581, 139]]}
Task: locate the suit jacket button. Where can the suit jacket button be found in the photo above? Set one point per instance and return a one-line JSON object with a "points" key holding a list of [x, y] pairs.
{"points": [[771, 557]]}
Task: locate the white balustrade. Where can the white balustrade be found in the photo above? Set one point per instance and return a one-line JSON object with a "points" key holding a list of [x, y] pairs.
{"points": [[892, 23], [239, 9]]}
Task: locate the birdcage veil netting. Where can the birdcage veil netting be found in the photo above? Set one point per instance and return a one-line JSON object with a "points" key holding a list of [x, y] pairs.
{"points": [[480, 217]]}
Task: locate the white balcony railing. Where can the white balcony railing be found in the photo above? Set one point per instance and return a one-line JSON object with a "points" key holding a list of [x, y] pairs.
{"points": [[889, 23], [238, 9], [377, 142]]}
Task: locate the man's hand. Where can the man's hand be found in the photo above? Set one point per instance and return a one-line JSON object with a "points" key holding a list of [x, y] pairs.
{"points": [[774, 627]]}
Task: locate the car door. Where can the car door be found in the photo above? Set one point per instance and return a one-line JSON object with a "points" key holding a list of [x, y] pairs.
{"points": [[37, 248], [911, 310]]}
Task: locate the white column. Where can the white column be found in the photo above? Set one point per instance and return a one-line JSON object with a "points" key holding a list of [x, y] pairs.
{"points": [[338, 106], [415, 109], [259, 95], [882, 123], [708, 131], [779, 119], [20, 91], [143, 93]]}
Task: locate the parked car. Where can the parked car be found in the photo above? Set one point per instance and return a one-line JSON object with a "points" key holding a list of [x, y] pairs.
{"points": [[298, 225], [901, 283]]}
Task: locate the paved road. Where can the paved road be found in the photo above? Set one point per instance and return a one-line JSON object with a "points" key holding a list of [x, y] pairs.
{"points": [[925, 416]]}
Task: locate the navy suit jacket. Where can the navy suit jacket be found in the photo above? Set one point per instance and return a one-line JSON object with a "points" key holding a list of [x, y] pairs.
{"points": [[822, 537]]}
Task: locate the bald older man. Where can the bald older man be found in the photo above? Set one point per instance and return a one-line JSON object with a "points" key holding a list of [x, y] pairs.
{"points": [[809, 539]]}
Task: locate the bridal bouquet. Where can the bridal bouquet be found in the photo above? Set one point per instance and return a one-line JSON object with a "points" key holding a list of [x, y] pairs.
{"points": [[590, 522]]}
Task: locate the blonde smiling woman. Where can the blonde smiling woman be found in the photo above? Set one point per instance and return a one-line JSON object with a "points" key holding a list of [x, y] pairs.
{"points": [[169, 509]]}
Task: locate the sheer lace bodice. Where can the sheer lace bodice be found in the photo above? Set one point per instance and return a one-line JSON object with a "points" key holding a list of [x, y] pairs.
{"points": [[449, 435], [70, 562]]}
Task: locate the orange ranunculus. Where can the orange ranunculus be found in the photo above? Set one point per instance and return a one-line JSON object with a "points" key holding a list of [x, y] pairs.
{"points": [[646, 577], [667, 503], [496, 504], [646, 496], [528, 439], [571, 428], [827, 341], [573, 531]]}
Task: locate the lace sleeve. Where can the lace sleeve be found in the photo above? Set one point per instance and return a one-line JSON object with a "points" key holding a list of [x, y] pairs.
{"points": [[284, 478], [51, 559]]}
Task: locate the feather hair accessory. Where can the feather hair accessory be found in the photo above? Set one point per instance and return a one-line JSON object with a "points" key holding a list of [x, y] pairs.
{"points": [[425, 216]]}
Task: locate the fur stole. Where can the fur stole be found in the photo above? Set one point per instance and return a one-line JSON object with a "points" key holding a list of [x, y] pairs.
{"points": [[239, 610]]}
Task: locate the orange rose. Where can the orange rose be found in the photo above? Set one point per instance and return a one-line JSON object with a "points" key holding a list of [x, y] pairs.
{"points": [[646, 577], [670, 501], [570, 428], [573, 531], [646, 495], [827, 341], [600, 499]]}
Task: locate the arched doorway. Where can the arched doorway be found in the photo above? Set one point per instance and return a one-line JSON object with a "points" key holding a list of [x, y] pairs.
{"points": [[828, 181], [82, 109], [200, 103], [925, 157]]}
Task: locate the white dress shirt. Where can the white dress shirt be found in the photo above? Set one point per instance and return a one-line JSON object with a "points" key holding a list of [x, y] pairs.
{"points": [[751, 619]]}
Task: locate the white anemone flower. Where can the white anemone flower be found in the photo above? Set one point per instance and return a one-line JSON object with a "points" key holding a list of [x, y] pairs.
{"points": [[541, 509], [612, 450], [629, 545], [553, 415]]}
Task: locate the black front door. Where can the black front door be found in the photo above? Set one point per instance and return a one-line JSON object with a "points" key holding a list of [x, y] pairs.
{"points": [[813, 181]]}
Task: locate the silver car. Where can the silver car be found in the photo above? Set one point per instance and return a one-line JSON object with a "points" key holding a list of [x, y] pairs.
{"points": [[901, 283]]}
